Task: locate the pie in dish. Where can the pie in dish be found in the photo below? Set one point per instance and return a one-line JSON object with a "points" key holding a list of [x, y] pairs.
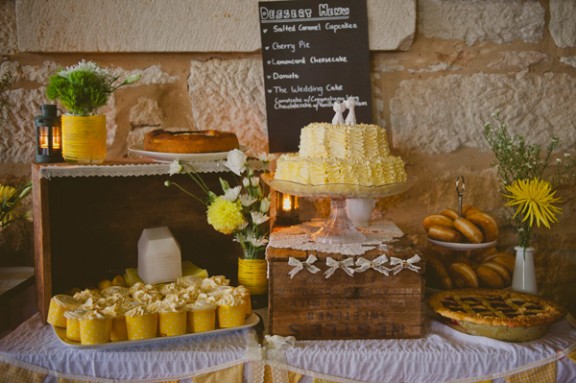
{"points": [[499, 314]]}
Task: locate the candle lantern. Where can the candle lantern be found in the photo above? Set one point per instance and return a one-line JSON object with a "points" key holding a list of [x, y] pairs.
{"points": [[287, 209], [48, 135]]}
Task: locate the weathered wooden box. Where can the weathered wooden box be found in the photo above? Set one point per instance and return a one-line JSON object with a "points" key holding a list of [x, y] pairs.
{"points": [[364, 305]]}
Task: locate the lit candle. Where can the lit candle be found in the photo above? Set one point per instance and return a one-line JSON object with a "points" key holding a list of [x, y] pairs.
{"points": [[286, 203]]}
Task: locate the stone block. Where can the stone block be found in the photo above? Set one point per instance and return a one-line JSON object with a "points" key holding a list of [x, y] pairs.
{"points": [[562, 26], [175, 26]]}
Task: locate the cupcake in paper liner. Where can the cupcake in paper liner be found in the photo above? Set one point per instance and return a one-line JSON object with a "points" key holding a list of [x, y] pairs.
{"points": [[95, 328], [141, 323], [189, 281], [87, 294], [211, 283], [73, 323], [146, 295], [59, 304], [202, 314], [171, 317], [231, 311], [244, 294], [116, 311], [115, 292]]}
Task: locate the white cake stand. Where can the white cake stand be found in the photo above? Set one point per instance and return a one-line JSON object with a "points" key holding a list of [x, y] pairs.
{"points": [[337, 228]]}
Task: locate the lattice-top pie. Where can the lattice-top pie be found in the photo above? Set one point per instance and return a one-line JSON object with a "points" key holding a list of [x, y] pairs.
{"points": [[500, 314]]}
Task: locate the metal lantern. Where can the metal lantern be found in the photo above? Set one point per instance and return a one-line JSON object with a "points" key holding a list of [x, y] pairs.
{"points": [[48, 135]]}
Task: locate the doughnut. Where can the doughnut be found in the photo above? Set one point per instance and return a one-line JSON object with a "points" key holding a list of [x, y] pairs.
{"points": [[438, 272], [486, 223], [463, 275], [444, 233], [437, 219], [450, 213], [190, 141], [469, 230], [469, 210], [504, 259], [490, 277]]}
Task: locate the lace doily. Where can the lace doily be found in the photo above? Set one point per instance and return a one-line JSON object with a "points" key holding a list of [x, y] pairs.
{"points": [[298, 237], [129, 169]]}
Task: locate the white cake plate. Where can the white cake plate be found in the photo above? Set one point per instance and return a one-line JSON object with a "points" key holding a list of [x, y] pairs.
{"points": [[338, 228]]}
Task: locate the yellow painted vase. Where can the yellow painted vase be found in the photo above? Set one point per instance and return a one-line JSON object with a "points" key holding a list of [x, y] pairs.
{"points": [[84, 138], [252, 275]]}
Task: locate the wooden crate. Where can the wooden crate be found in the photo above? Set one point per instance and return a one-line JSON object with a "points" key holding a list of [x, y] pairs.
{"points": [[367, 305], [86, 228]]}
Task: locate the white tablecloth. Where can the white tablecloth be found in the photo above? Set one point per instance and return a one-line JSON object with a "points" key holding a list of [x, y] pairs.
{"points": [[443, 355]]}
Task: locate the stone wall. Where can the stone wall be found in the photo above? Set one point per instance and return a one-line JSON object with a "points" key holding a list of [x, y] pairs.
{"points": [[437, 77]]}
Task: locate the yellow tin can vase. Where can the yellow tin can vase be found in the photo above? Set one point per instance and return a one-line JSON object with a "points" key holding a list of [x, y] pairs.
{"points": [[84, 138]]}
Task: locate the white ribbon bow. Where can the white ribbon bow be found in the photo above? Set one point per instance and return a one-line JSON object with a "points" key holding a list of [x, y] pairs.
{"points": [[277, 342], [400, 264], [345, 265], [299, 265], [377, 264]]}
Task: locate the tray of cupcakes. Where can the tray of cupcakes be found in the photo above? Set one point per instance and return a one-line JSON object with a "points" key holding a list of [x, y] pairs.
{"points": [[122, 314]]}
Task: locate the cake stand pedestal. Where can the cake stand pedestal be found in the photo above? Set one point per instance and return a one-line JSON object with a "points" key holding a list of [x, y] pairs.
{"points": [[338, 228]]}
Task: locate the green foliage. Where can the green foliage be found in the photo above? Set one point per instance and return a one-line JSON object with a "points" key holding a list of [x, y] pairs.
{"points": [[84, 88], [10, 203]]}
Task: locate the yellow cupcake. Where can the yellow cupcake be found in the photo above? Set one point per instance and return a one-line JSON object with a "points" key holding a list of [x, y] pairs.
{"points": [[243, 293], [73, 323], [231, 312], [59, 304], [141, 323], [116, 312], [172, 323], [202, 315], [95, 328]]}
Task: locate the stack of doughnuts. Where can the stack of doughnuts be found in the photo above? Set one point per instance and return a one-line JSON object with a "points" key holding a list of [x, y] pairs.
{"points": [[474, 226], [488, 268]]}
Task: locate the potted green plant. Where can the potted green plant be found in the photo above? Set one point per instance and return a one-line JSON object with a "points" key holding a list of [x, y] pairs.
{"points": [[82, 89]]}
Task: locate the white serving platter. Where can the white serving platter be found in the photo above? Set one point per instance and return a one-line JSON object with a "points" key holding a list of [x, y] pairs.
{"points": [[462, 246], [60, 332], [169, 157]]}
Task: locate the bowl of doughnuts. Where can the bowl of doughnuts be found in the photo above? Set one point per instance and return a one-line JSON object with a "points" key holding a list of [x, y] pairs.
{"points": [[471, 230], [486, 268]]}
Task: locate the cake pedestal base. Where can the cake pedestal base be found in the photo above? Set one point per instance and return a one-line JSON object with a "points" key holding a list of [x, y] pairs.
{"points": [[338, 228]]}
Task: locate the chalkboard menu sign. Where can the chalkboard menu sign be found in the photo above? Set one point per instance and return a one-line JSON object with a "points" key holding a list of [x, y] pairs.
{"points": [[314, 53]]}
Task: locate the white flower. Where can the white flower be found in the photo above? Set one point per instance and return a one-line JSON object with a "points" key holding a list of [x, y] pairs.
{"points": [[265, 205], [236, 161], [175, 167], [246, 182], [258, 218], [231, 194], [257, 242], [246, 200], [255, 181]]}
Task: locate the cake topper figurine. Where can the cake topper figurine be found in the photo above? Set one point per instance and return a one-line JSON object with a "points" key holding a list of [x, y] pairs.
{"points": [[351, 117], [339, 108]]}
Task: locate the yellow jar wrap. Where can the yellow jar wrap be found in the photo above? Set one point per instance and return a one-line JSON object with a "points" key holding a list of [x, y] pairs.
{"points": [[252, 275], [73, 329], [231, 316], [202, 320], [84, 138], [59, 304], [172, 323], [142, 326], [119, 331], [95, 331]]}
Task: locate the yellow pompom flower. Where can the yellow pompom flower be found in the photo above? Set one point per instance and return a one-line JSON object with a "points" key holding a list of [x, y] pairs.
{"points": [[533, 199], [225, 216]]}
